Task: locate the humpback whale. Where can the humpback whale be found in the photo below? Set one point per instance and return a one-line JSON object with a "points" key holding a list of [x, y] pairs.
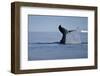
{"points": [[64, 33]]}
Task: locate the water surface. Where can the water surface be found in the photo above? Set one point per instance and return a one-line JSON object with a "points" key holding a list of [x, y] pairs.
{"points": [[45, 46]]}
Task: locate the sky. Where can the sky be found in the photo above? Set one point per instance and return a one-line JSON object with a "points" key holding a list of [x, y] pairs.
{"points": [[44, 23]]}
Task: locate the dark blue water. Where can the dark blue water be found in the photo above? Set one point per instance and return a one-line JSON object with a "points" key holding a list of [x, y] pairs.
{"points": [[45, 46]]}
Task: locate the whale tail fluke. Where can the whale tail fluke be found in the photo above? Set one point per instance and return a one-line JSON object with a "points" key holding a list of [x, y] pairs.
{"points": [[64, 33]]}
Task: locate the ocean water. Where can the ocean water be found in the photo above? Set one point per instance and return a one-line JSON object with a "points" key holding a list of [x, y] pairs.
{"points": [[45, 46]]}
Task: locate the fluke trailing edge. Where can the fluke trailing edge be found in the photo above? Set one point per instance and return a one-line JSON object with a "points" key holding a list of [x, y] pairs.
{"points": [[64, 33]]}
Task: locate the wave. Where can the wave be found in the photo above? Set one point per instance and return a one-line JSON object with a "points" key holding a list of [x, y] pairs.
{"points": [[57, 43]]}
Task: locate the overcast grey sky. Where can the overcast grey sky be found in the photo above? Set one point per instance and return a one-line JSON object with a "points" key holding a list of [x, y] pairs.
{"points": [[40, 23]]}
